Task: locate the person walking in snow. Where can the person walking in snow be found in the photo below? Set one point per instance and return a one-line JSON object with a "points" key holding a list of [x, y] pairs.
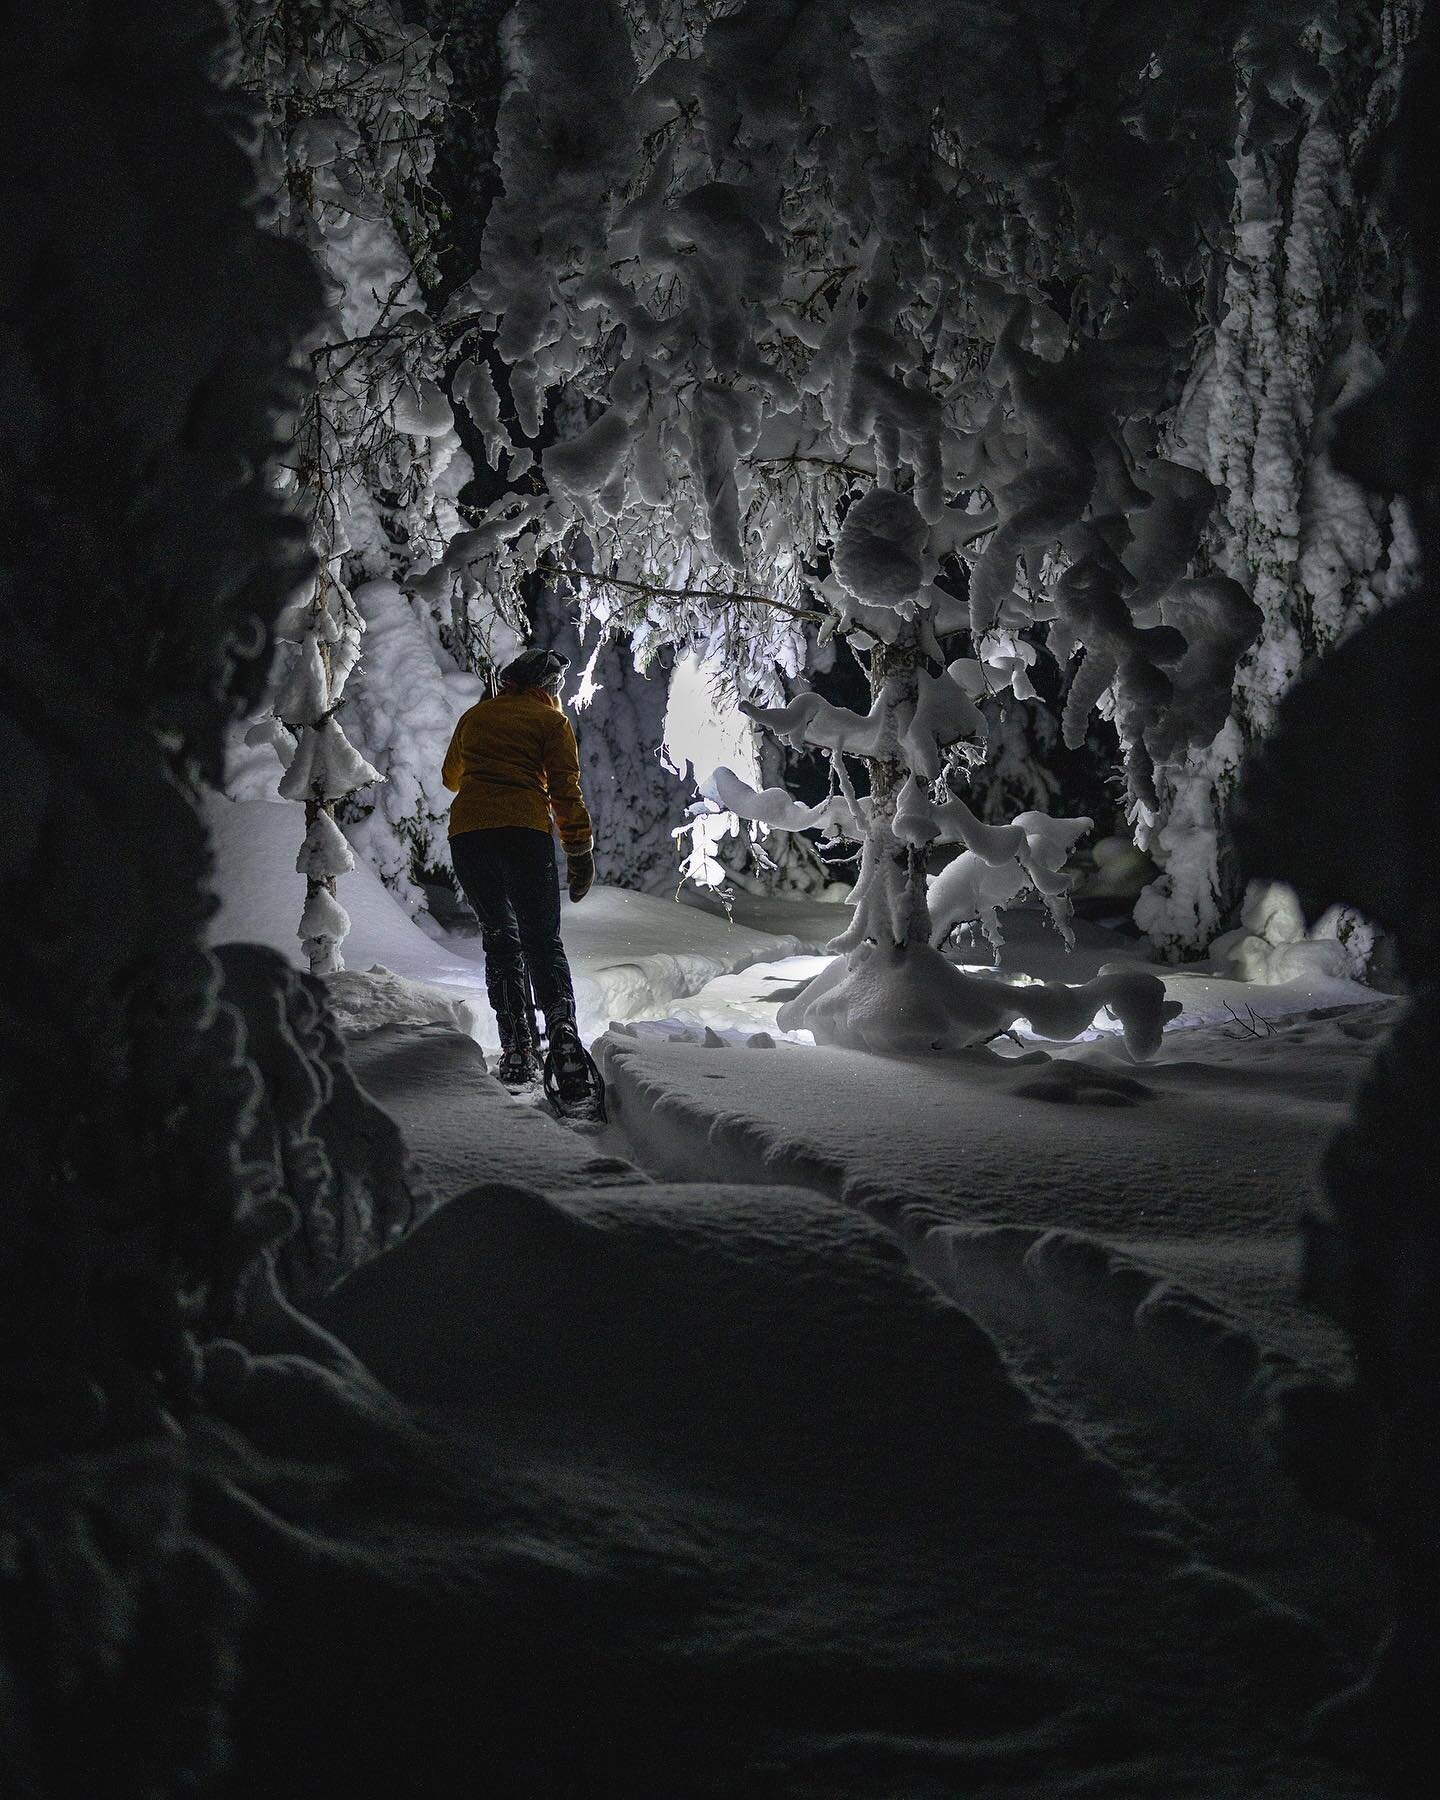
{"points": [[512, 765]]}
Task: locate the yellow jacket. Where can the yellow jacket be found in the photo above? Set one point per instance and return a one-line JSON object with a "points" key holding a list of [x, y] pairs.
{"points": [[513, 761]]}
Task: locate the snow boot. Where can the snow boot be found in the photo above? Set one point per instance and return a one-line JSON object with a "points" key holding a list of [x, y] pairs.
{"points": [[519, 1063], [519, 1066], [573, 1085]]}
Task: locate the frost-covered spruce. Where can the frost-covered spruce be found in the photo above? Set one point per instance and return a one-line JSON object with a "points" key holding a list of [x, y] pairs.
{"points": [[1364, 838], [1312, 288], [352, 96], [851, 319]]}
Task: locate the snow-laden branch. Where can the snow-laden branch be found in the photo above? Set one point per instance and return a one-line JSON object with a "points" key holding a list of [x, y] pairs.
{"points": [[774, 808], [657, 591], [921, 716]]}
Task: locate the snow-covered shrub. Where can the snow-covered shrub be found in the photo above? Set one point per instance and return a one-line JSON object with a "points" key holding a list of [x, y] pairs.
{"points": [[1274, 944], [314, 1138], [148, 339], [1362, 836], [911, 1001]]}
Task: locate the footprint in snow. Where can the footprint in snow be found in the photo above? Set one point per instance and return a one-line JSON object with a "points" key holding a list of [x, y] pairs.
{"points": [[1364, 1029], [1080, 1084]]}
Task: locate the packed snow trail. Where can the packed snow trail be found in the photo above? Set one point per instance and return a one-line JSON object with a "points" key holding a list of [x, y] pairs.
{"points": [[736, 1443], [847, 1539], [1211, 1151], [1128, 1236], [461, 1125], [632, 955]]}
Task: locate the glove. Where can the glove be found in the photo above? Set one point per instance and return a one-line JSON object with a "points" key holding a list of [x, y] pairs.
{"points": [[580, 872]]}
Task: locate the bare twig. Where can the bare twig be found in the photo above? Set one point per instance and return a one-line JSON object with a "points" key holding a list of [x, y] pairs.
{"points": [[726, 597], [1253, 1025], [820, 462], [439, 328]]}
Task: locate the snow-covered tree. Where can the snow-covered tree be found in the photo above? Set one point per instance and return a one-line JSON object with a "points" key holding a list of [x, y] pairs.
{"points": [[635, 800], [899, 319], [877, 318], [352, 96], [1311, 287], [1364, 838], [167, 1118]]}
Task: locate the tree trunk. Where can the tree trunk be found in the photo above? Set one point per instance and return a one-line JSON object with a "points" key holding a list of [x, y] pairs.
{"points": [[892, 673], [1311, 291]]}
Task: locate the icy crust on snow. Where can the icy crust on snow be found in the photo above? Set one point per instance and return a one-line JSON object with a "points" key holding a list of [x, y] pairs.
{"points": [[849, 1507]]}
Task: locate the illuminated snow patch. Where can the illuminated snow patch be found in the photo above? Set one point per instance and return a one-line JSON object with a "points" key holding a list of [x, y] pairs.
{"points": [[589, 687], [702, 731]]}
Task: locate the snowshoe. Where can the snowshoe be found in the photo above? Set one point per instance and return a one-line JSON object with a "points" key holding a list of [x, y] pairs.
{"points": [[518, 1067], [573, 1084]]}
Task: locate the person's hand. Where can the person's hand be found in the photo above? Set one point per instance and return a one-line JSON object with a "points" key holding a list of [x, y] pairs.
{"points": [[580, 873]]}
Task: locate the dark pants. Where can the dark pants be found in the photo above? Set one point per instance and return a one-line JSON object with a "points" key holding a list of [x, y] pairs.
{"points": [[509, 877]]}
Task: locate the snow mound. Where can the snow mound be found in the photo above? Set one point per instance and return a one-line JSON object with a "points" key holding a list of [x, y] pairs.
{"points": [[364, 1002], [723, 1304], [1081, 1084], [1273, 945], [880, 1567], [631, 954], [262, 895], [461, 1125], [908, 1001]]}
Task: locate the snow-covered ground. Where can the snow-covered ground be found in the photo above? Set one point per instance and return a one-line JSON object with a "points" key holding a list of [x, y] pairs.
{"points": [[632, 954], [635, 956], [869, 1426]]}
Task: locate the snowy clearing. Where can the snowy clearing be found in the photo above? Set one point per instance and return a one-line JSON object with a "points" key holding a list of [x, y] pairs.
{"points": [[632, 954]]}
